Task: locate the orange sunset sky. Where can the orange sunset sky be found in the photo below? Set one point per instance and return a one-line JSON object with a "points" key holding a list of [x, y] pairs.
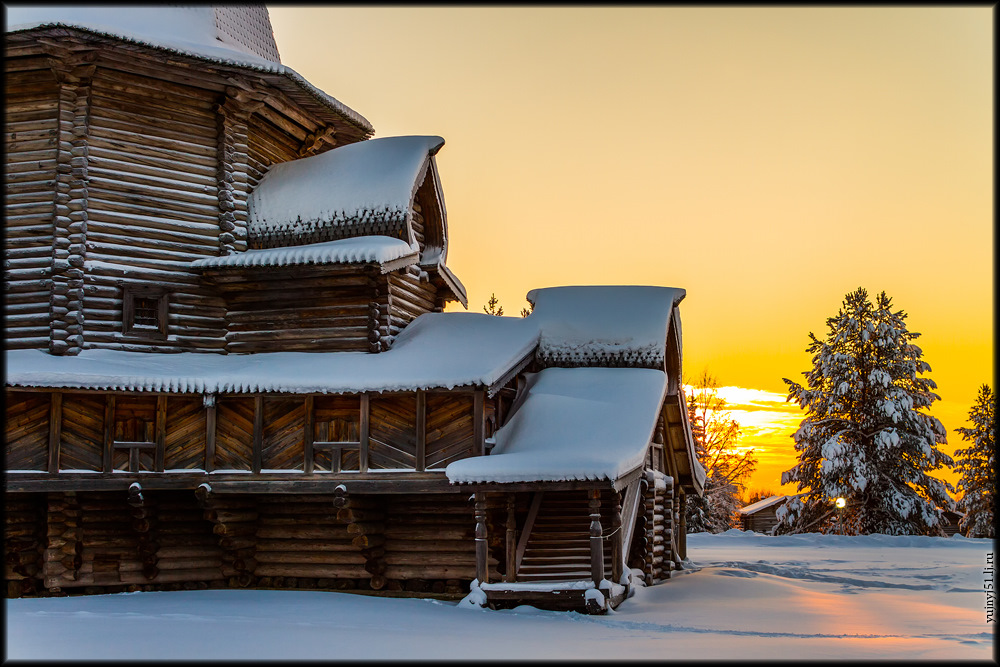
{"points": [[767, 160]]}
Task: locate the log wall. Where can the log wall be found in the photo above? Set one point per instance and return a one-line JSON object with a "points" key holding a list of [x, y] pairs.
{"points": [[410, 294], [289, 309], [99, 542], [32, 129], [653, 542], [153, 207]]}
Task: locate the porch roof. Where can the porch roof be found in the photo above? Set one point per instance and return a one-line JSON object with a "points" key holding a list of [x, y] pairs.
{"points": [[573, 424]]}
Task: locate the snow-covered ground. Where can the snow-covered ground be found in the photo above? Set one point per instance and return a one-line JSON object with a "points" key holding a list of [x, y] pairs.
{"points": [[746, 596]]}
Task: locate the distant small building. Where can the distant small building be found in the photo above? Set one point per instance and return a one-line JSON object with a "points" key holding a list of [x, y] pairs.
{"points": [[760, 517], [951, 522]]}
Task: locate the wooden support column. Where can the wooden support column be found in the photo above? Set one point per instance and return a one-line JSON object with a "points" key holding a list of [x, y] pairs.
{"points": [[682, 542], [511, 545], [308, 464], [210, 418], [482, 547], [363, 453], [161, 431], [258, 432], [421, 462], [109, 430], [74, 71], [479, 422], [55, 430], [596, 538], [617, 544]]}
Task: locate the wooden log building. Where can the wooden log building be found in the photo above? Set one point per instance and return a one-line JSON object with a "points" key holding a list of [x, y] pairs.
{"points": [[228, 362]]}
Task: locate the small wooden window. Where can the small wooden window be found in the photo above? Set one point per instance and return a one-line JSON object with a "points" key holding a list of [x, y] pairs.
{"points": [[144, 312]]}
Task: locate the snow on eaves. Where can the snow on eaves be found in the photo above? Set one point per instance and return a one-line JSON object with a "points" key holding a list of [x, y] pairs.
{"points": [[388, 252], [354, 184], [601, 325], [187, 30], [574, 424], [436, 351]]}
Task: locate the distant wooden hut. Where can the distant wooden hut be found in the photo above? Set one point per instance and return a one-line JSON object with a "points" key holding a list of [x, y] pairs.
{"points": [[228, 365], [760, 516], [951, 522]]}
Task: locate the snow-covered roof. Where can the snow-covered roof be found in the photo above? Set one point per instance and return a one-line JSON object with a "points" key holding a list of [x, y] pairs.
{"points": [[228, 35], [762, 504], [437, 350], [365, 187], [619, 325], [574, 424], [388, 252]]}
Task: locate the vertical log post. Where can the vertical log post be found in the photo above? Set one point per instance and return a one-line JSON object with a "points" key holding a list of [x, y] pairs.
{"points": [[210, 416], [482, 573], [596, 538], [109, 431], [363, 453], [307, 466], [55, 430], [161, 432], [479, 422], [617, 544], [258, 433], [511, 574], [421, 462], [682, 546]]}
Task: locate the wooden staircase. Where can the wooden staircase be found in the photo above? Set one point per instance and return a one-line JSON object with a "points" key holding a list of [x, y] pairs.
{"points": [[558, 546]]}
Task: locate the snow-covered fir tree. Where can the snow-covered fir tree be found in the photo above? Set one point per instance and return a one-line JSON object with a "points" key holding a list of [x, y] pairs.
{"points": [[866, 437], [726, 466], [976, 464]]}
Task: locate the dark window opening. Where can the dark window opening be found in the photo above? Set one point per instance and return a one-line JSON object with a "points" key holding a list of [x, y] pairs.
{"points": [[144, 312]]}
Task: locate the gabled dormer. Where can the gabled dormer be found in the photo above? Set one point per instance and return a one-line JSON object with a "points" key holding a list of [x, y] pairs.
{"points": [[346, 249]]}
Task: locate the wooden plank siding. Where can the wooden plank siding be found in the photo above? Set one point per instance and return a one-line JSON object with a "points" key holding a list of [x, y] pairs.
{"points": [[185, 440], [82, 439], [104, 432], [153, 207], [26, 431], [31, 125]]}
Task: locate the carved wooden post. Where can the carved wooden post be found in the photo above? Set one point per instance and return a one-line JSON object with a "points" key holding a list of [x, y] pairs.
{"points": [[482, 573], [74, 73], [596, 538], [617, 535], [511, 539]]}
